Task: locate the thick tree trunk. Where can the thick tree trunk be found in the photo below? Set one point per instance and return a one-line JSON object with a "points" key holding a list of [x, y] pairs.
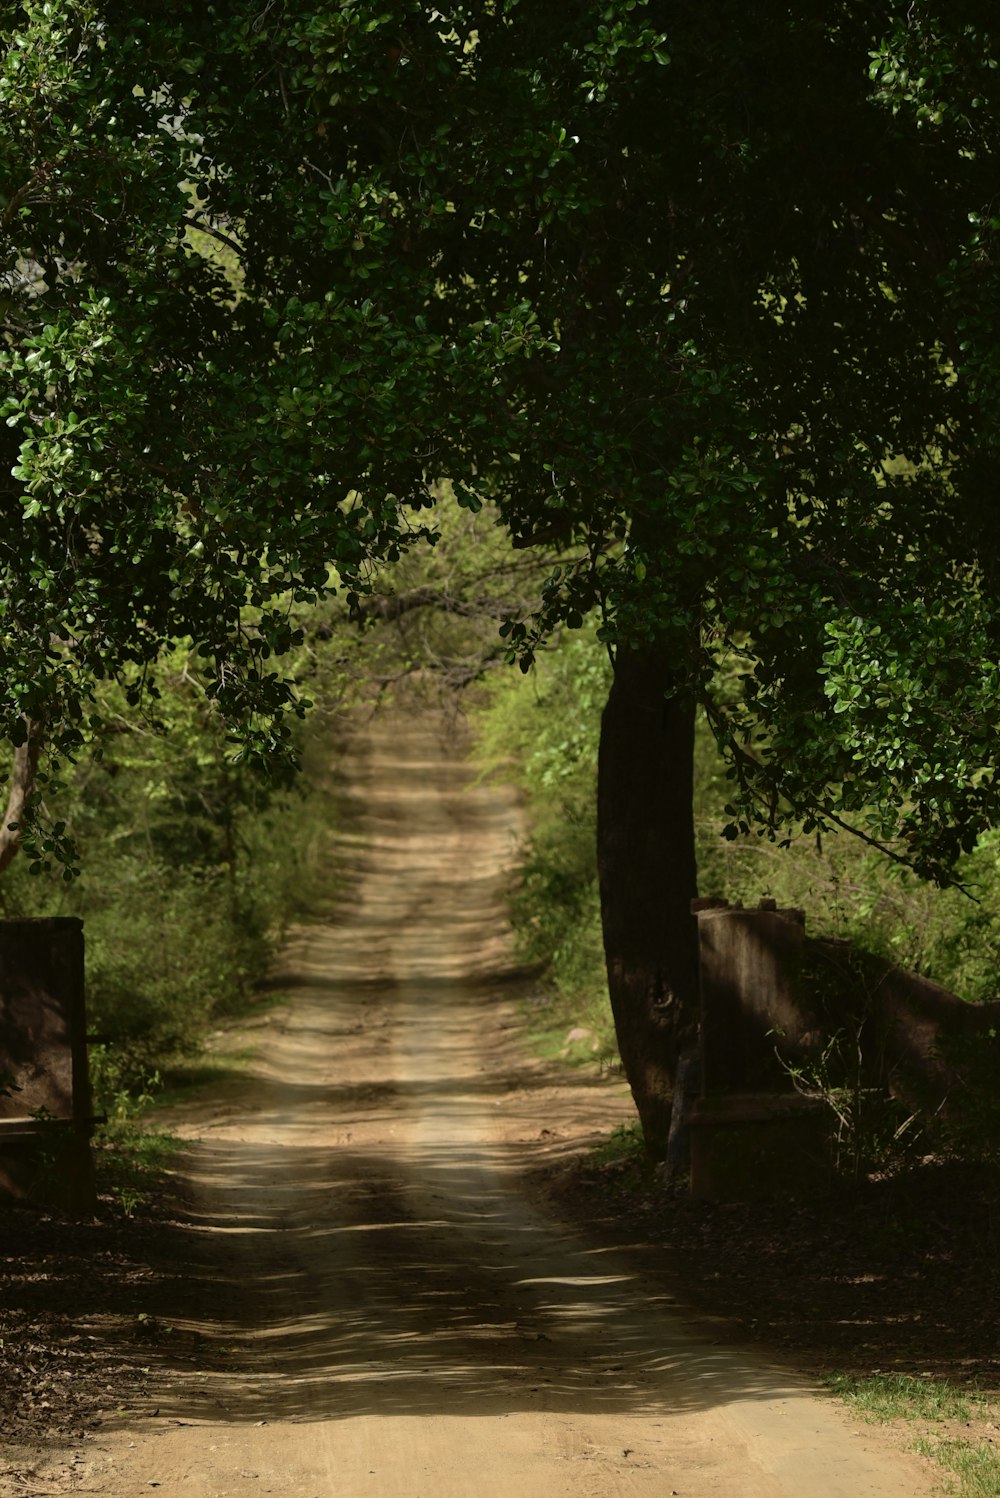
{"points": [[648, 878], [24, 772]]}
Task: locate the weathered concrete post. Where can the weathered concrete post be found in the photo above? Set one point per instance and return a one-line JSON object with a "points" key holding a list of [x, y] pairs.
{"points": [[749, 960], [752, 1134], [46, 1112]]}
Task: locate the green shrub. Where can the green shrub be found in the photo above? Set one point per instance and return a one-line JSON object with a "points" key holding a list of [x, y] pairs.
{"points": [[541, 730], [192, 867]]}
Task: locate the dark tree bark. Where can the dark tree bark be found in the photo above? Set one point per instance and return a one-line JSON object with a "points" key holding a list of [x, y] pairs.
{"points": [[648, 878]]}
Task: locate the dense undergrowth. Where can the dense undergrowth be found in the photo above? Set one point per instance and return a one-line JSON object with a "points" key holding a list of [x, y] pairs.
{"points": [[543, 730], [192, 867]]}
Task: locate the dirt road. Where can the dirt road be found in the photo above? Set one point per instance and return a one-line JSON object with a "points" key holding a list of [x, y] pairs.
{"points": [[398, 1318]]}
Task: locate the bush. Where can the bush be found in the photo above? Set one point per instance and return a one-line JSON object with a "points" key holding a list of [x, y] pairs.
{"points": [[192, 867], [543, 729]]}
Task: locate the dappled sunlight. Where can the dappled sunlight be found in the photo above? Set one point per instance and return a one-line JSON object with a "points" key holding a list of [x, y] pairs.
{"points": [[417, 1280], [360, 1253]]}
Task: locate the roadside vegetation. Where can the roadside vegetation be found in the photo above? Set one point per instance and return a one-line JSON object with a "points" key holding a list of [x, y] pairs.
{"points": [[955, 1427], [542, 729], [192, 867]]}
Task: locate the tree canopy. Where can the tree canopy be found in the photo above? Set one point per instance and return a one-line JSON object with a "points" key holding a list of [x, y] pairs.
{"points": [[706, 296], [760, 241], [192, 448], [703, 296]]}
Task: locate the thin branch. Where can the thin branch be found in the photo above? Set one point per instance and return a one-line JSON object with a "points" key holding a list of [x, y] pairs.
{"points": [[808, 806], [203, 228], [395, 605], [20, 197]]}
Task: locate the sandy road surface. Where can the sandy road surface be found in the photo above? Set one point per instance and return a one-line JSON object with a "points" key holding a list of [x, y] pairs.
{"points": [[403, 1322]]}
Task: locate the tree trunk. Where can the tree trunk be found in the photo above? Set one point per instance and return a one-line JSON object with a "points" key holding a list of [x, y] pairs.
{"points": [[22, 787], [648, 878]]}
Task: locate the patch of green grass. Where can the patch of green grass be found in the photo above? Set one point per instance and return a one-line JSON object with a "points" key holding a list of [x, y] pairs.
{"points": [[623, 1145], [550, 1021], [900, 1396], [130, 1161], [624, 1155], [974, 1466], [211, 1070]]}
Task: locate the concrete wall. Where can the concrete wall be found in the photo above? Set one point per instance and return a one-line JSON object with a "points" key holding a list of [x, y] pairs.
{"points": [[43, 1051], [767, 986], [749, 963], [43, 1026]]}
